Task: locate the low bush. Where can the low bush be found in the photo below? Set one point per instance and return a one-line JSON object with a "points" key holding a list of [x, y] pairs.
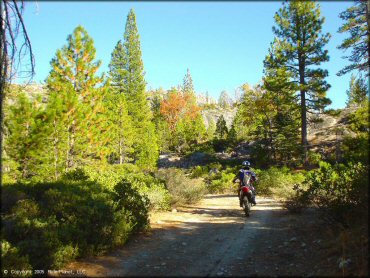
{"points": [[221, 183], [206, 147], [183, 189], [109, 175], [333, 112], [220, 145], [54, 223], [205, 171], [11, 259], [314, 158], [340, 190], [199, 171], [220, 178], [278, 182]]}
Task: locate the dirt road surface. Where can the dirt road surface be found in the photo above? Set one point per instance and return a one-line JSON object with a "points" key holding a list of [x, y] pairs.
{"points": [[214, 238]]}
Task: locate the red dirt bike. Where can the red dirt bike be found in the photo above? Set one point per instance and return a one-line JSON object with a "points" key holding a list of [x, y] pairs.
{"points": [[246, 197]]}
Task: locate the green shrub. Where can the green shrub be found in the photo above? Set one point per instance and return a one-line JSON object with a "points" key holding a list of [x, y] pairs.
{"points": [[109, 175], [206, 170], [337, 189], [11, 259], [199, 171], [277, 182], [222, 183], [77, 174], [206, 147], [333, 112], [129, 199], [356, 148], [314, 158], [151, 187], [219, 180], [215, 166], [183, 190], [63, 255], [220, 145], [53, 223], [10, 197]]}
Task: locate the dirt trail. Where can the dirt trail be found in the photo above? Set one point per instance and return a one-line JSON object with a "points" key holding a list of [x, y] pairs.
{"points": [[214, 238]]}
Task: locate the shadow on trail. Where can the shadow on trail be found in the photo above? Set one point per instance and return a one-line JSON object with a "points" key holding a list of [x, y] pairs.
{"points": [[215, 212], [220, 196], [189, 247]]}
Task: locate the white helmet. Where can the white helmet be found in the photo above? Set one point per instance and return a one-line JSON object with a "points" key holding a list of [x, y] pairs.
{"points": [[246, 163]]}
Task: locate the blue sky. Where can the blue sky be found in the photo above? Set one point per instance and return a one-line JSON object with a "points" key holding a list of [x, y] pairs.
{"points": [[222, 43]]}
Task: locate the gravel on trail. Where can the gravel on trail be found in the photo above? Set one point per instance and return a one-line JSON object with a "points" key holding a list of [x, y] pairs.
{"points": [[214, 238]]}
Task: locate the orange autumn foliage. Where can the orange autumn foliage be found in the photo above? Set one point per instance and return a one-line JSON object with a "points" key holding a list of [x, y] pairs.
{"points": [[177, 106]]}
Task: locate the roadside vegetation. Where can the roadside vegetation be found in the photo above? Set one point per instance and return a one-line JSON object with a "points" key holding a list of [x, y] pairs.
{"points": [[81, 162]]}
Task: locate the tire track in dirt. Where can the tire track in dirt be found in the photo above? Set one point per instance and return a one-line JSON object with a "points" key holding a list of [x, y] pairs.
{"points": [[205, 239]]}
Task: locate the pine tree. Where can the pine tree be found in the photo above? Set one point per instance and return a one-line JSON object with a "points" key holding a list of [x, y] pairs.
{"points": [[300, 49], [247, 116], [211, 129], [194, 128], [27, 135], [73, 79], [357, 24], [232, 136], [188, 88], [133, 85], [221, 128], [161, 126], [121, 130], [133, 73], [58, 110], [358, 91], [280, 92], [117, 70]]}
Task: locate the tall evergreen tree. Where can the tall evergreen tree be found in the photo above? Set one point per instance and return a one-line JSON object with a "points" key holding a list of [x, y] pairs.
{"points": [[26, 141], [194, 128], [357, 24], [221, 128], [161, 126], [188, 87], [232, 136], [211, 128], [280, 92], [301, 50], [60, 107], [247, 114], [358, 91], [121, 129], [73, 79], [133, 86]]}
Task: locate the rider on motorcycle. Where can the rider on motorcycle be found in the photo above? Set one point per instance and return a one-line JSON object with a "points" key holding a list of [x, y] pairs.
{"points": [[245, 171]]}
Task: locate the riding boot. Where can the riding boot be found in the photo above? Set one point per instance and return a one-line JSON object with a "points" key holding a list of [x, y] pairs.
{"points": [[254, 200]]}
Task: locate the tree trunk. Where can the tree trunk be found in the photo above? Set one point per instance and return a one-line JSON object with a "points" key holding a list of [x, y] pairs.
{"points": [[72, 145], [67, 150], [303, 113], [304, 126], [368, 34], [3, 74], [120, 138], [120, 151], [2, 92], [56, 157]]}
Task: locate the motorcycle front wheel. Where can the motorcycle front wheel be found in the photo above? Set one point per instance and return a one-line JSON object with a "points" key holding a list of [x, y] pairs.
{"points": [[246, 206]]}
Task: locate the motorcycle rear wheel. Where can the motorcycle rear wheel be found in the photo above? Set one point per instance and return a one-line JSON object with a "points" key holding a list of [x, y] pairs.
{"points": [[246, 206]]}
